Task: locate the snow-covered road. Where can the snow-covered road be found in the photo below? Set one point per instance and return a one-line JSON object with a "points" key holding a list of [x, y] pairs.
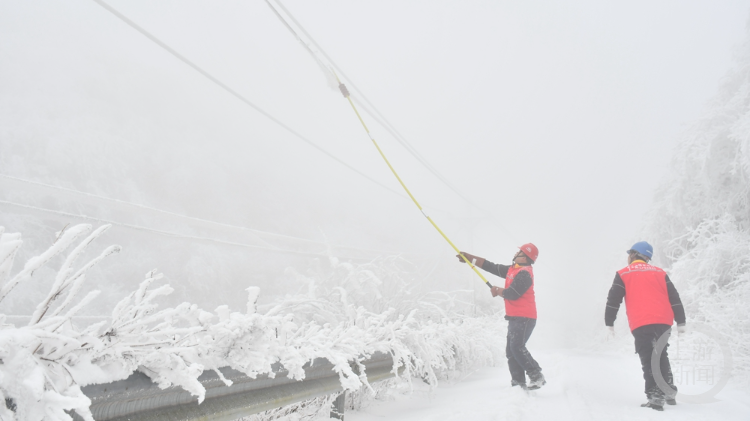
{"points": [[581, 385]]}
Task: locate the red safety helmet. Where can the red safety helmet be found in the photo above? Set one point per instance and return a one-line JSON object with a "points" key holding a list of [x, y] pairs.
{"points": [[530, 251]]}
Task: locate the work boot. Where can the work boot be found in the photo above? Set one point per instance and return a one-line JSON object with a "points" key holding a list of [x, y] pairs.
{"points": [[652, 406], [537, 380], [514, 383], [655, 401]]}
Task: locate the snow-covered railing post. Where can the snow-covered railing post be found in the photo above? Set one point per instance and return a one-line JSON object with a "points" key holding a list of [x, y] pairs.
{"points": [[338, 407]]}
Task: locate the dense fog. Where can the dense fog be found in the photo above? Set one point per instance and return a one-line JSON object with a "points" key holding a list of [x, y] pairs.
{"points": [[556, 120]]}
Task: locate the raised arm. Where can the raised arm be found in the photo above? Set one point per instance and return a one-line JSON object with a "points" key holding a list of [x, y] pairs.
{"points": [[495, 268]]}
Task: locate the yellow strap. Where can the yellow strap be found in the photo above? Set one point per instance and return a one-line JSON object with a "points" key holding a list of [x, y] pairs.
{"points": [[345, 92]]}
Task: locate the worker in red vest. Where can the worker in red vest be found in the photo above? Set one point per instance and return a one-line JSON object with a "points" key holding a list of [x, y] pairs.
{"points": [[652, 305], [520, 311]]}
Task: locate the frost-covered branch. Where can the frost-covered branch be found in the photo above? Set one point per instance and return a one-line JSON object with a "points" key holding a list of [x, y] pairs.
{"points": [[35, 263], [700, 224]]}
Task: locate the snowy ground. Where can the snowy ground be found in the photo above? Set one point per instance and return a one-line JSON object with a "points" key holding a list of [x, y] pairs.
{"points": [[581, 386]]}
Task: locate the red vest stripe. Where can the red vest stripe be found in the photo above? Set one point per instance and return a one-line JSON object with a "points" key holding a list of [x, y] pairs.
{"points": [[646, 297], [526, 305]]}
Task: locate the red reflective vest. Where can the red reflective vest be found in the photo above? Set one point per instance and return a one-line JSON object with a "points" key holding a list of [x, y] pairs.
{"points": [[526, 305], [646, 297]]}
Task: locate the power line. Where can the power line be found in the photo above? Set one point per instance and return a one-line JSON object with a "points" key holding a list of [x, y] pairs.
{"points": [[172, 214], [236, 94], [174, 235], [258, 233], [246, 101], [377, 115]]}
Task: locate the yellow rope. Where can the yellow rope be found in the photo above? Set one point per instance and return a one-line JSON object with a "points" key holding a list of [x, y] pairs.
{"points": [[345, 92]]}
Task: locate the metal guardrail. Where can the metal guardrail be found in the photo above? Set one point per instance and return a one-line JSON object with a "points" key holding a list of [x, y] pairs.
{"points": [[138, 398]]}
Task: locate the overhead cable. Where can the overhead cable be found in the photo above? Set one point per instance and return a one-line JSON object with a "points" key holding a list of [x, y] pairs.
{"points": [[245, 100], [345, 92], [174, 235], [236, 94], [173, 214], [347, 96], [368, 106], [375, 113]]}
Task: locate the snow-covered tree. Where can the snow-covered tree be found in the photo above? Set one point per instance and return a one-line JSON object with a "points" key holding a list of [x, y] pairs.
{"points": [[700, 224]]}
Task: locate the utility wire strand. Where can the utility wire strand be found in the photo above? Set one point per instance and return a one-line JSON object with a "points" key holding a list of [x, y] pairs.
{"points": [[377, 115], [379, 118], [245, 100], [393, 170], [236, 94], [142, 207], [174, 235], [370, 108], [346, 94]]}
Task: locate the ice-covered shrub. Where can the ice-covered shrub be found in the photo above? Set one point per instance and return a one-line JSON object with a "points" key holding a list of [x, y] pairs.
{"points": [[44, 364], [700, 224]]}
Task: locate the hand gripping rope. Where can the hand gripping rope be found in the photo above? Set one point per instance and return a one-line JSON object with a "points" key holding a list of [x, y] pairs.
{"points": [[345, 92]]}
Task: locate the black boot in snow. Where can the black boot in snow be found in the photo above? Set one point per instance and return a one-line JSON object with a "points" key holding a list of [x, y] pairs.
{"points": [[514, 383], [654, 402], [537, 380], [652, 406]]}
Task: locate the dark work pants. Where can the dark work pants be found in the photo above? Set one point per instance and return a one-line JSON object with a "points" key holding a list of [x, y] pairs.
{"points": [[645, 342], [520, 361]]}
